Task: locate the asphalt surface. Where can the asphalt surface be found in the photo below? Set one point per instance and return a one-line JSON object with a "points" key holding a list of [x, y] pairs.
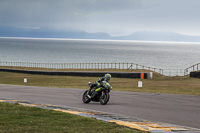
{"points": [[181, 110]]}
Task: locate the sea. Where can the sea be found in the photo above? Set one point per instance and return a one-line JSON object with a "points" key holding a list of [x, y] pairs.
{"points": [[164, 55]]}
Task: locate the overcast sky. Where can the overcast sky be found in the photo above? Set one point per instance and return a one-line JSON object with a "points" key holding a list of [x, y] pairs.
{"points": [[115, 17]]}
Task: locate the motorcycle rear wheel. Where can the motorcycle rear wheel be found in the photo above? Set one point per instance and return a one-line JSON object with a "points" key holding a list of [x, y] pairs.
{"points": [[85, 98]]}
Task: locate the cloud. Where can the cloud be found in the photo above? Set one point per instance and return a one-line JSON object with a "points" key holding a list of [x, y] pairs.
{"points": [[180, 16], [38, 13], [89, 6], [112, 16], [59, 11]]}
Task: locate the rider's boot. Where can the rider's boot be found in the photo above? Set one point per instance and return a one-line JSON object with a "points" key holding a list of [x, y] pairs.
{"points": [[89, 90], [88, 93]]}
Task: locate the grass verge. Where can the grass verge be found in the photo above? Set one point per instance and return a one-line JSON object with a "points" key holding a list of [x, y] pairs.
{"points": [[15, 118], [159, 83]]}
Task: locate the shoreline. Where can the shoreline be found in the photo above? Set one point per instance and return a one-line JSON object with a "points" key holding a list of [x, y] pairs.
{"points": [[103, 40]]}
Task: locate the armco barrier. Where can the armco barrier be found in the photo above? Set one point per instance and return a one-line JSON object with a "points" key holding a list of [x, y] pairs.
{"points": [[147, 75], [195, 74]]}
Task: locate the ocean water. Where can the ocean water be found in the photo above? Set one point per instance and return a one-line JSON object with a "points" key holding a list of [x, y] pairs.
{"points": [[164, 55]]}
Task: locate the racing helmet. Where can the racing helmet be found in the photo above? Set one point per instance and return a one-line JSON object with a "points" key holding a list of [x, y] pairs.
{"points": [[107, 77]]}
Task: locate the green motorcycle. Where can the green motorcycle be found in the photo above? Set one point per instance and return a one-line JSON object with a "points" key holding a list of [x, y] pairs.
{"points": [[102, 96]]}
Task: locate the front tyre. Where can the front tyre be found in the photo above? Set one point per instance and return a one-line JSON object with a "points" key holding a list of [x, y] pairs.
{"points": [[85, 98], [104, 98]]}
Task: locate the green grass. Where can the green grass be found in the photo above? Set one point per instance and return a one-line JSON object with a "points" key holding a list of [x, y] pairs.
{"points": [[15, 118], [159, 83]]}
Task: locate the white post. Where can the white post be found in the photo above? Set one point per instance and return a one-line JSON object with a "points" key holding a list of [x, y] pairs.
{"points": [[150, 75], [139, 83], [25, 80]]}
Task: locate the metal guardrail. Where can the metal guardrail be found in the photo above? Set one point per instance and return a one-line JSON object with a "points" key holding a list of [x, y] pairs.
{"points": [[192, 68], [166, 72], [173, 72], [146, 75], [81, 65]]}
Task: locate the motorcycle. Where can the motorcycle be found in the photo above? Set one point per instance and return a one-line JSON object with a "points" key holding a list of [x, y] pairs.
{"points": [[102, 96]]}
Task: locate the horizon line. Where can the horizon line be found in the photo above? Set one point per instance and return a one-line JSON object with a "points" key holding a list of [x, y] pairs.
{"points": [[109, 40]]}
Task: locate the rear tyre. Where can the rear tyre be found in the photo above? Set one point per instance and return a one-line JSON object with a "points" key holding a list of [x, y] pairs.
{"points": [[85, 98], [104, 98]]}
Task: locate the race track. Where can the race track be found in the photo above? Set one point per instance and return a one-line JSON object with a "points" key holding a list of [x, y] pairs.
{"points": [[181, 110]]}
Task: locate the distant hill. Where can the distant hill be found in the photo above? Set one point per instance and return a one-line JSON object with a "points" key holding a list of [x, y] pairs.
{"points": [[158, 36], [79, 34], [50, 33]]}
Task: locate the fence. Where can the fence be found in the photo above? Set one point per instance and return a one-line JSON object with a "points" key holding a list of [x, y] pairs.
{"points": [[192, 68], [173, 72], [81, 65], [167, 72]]}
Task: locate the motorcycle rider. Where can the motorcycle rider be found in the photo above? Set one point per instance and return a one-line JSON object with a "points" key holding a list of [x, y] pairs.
{"points": [[98, 84]]}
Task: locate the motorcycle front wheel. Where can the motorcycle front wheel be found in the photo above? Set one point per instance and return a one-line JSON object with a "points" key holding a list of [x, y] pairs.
{"points": [[85, 98], [104, 98]]}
